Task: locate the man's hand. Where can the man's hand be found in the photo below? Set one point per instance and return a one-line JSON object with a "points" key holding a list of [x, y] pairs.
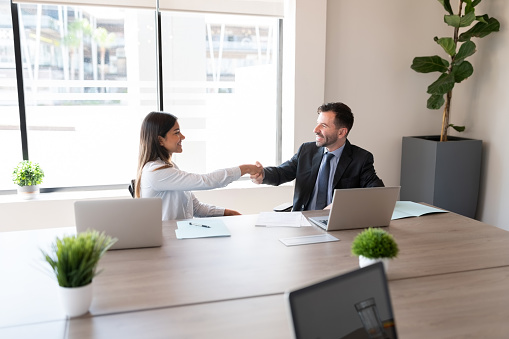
{"points": [[258, 177]]}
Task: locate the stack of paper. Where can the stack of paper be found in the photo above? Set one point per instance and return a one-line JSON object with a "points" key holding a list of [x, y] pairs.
{"points": [[195, 228]]}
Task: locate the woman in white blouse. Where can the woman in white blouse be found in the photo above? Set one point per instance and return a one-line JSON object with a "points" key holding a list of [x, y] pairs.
{"points": [[159, 176]]}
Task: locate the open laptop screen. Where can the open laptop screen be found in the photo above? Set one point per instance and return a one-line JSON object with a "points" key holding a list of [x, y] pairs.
{"points": [[353, 305]]}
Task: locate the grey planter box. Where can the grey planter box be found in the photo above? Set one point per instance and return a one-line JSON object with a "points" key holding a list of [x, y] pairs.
{"points": [[443, 174]]}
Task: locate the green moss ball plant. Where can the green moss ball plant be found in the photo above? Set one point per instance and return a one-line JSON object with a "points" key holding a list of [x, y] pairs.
{"points": [[374, 244]]}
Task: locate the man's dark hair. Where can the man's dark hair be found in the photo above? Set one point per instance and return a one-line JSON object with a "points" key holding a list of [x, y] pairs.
{"points": [[344, 115]]}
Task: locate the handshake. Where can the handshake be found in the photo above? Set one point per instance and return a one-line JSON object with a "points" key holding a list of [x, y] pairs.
{"points": [[255, 171]]}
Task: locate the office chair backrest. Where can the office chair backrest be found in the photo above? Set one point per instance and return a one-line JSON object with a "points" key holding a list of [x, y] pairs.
{"points": [[132, 188]]}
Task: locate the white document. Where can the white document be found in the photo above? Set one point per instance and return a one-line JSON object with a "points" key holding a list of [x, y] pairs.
{"points": [[308, 239], [282, 219], [408, 209], [197, 228]]}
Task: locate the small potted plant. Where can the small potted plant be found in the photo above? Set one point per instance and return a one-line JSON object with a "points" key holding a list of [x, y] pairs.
{"points": [[74, 261], [28, 176], [373, 245]]}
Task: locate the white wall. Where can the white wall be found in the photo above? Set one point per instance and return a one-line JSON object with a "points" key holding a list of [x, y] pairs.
{"points": [[486, 107], [309, 66], [370, 47], [304, 48]]}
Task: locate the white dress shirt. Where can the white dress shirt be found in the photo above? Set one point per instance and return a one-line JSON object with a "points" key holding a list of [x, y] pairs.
{"points": [[173, 186]]}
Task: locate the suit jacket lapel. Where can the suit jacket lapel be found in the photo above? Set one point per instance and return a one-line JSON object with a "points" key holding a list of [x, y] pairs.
{"points": [[344, 161]]}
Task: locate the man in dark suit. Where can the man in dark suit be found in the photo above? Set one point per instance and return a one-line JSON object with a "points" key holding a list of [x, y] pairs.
{"points": [[329, 163]]}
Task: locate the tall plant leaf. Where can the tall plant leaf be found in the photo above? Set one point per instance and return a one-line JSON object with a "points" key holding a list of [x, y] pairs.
{"points": [[447, 44], [435, 101], [452, 20], [466, 50], [462, 71], [467, 19], [447, 5], [469, 8], [482, 18], [457, 128], [457, 21], [444, 84], [481, 29], [429, 64]]}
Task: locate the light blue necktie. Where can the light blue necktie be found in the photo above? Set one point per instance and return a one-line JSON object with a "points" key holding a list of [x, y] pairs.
{"points": [[323, 183]]}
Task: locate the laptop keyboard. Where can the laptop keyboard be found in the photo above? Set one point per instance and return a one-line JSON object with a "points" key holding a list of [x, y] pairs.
{"points": [[325, 221]]}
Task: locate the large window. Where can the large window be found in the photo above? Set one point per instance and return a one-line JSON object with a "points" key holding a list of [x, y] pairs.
{"points": [[90, 77], [220, 79]]}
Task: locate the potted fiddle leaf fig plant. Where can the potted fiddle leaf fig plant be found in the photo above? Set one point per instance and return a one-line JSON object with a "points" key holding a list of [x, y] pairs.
{"points": [[74, 261], [28, 176], [458, 47], [433, 171], [373, 245]]}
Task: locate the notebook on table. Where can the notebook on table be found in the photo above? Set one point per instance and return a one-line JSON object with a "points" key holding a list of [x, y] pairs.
{"points": [[359, 208], [135, 223], [352, 305]]}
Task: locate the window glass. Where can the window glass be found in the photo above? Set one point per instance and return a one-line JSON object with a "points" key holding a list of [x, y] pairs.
{"points": [[10, 137], [90, 78], [220, 80]]}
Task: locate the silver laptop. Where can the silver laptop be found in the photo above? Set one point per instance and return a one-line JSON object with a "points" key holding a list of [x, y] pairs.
{"points": [[134, 222], [359, 208], [352, 305]]}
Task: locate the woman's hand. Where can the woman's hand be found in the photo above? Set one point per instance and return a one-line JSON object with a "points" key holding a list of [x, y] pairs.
{"points": [[229, 213]]}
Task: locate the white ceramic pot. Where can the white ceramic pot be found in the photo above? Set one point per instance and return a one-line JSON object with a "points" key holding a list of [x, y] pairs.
{"points": [[76, 300], [363, 261], [28, 192]]}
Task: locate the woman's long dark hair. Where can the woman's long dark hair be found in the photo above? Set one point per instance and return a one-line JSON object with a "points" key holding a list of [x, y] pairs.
{"points": [[155, 124]]}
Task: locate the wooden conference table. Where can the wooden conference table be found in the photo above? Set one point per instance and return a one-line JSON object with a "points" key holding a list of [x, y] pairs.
{"points": [[451, 279]]}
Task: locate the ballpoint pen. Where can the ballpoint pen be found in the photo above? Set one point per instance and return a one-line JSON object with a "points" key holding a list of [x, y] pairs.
{"points": [[200, 225]]}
